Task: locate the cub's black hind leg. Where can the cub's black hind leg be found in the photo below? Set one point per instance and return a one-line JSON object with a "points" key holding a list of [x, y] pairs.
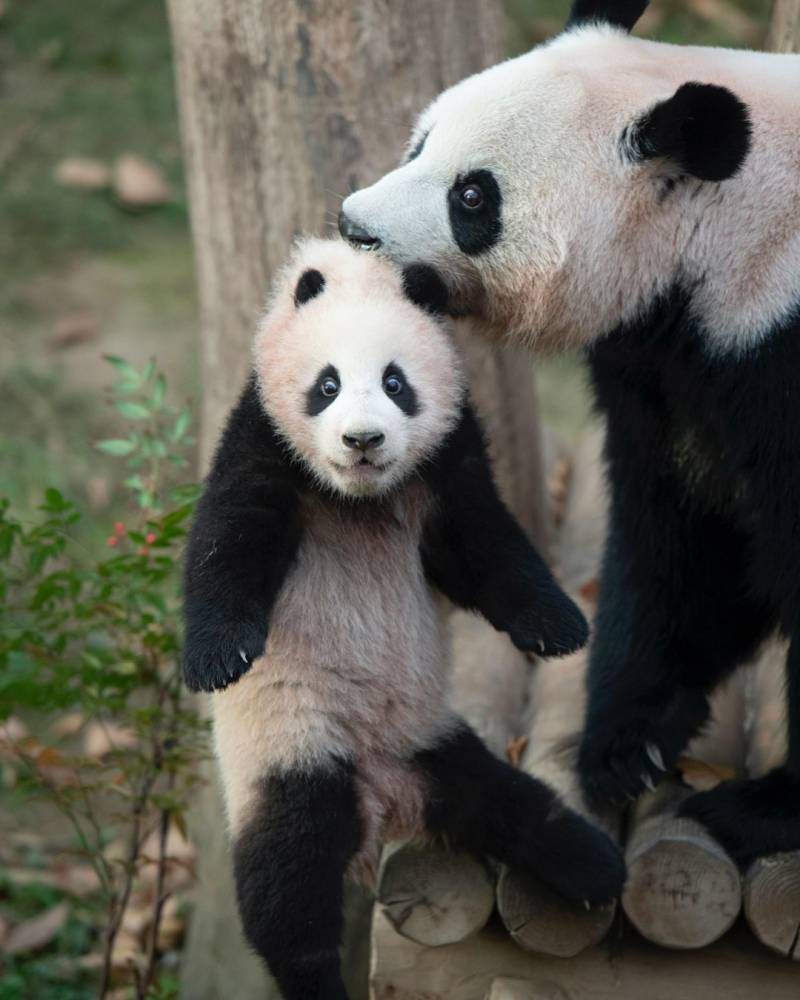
{"points": [[761, 816], [482, 804], [289, 862]]}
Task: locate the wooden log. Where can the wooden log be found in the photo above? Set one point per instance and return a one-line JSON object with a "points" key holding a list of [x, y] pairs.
{"points": [[683, 890], [536, 917], [735, 968], [505, 988], [772, 885]]}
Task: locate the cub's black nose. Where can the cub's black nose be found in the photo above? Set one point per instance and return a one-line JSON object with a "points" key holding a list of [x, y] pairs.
{"points": [[355, 235], [364, 440]]}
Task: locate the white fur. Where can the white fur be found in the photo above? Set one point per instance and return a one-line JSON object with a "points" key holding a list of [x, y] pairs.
{"points": [[587, 238]]}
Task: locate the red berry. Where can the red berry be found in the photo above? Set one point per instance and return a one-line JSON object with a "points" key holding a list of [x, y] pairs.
{"points": [[113, 540], [119, 528], [150, 538], [143, 551]]}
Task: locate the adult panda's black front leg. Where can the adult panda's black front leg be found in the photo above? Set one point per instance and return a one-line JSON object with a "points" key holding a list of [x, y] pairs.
{"points": [[244, 537], [482, 804], [290, 860], [476, 553]]}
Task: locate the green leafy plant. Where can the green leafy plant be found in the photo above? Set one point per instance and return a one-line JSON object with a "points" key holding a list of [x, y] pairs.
{"points": [[96, 638]]}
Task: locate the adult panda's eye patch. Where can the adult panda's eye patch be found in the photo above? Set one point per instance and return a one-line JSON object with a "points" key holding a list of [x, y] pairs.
{"points": [[323, 391], [474, 205], [309, 285]]}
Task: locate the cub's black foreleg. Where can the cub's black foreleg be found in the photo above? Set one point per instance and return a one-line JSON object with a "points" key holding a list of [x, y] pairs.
{"points": [[476, 553], [484, 805], [244, 537], [289, 863]]}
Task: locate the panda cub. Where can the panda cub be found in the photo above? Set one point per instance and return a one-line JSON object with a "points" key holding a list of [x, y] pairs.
{"points": [[325, 527]]}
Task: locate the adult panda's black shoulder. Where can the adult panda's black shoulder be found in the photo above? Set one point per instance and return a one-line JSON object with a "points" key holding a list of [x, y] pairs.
{"points": [[310, 612]]}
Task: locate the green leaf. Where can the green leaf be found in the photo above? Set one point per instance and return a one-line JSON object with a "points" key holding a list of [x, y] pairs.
{"points": [[116, 446], [122, 367], [131, 410], [181, 425], [159, 391]]}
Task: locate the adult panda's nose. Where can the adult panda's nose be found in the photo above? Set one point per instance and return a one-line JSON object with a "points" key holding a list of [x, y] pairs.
{"points": [[356, 235], [363, 440]]}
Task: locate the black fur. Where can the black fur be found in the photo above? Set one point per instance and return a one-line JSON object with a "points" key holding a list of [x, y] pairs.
{"points": [[702, 559], [405, 400], [289, 866], [482, 804], [476, 230], [476, 553], [309, 285], [703, 129], [424, 286], [620, 13], [244, 537], [316, 400]]}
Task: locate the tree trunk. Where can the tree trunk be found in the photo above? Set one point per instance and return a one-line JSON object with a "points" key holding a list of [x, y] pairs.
{"points": [[286, 105], [784, 28]]}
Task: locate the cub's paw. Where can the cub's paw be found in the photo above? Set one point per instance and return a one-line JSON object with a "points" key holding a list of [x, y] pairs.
{"points": [[580, 862], [554, 627], [215, 657], [752, 818]]}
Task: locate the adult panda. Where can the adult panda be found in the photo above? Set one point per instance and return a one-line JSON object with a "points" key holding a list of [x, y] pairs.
{"points": [[326, 524], [642, 201]]}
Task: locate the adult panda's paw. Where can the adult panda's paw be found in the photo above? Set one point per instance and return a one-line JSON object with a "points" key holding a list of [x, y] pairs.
{"points": [[217, 655], [579, 861], [752, 818]]}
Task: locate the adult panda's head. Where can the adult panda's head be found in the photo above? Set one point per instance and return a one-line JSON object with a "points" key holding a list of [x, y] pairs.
{"points": [[556, 192], [355, 367]]}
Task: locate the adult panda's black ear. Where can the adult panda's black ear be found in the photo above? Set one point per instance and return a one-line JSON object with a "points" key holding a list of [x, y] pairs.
{"points": [[703, 129], [423, 285], [619, 13], [309, 285]]}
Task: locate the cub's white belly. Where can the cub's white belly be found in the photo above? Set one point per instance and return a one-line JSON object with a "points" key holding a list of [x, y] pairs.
{"points": [[355, 663]]}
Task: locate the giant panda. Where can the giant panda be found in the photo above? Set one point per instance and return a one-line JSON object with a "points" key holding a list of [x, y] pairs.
{"points": [[641, 201], [325, 529]]}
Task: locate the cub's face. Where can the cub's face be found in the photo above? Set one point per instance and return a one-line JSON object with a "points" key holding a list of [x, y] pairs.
{"points": [[361, 383]]}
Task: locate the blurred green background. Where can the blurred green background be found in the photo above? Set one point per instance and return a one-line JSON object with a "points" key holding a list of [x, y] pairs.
{"points": [[82, 273]]}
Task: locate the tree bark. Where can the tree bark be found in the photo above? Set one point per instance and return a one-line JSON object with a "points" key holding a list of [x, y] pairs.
{"points": [[286, 105], [784, 28]]}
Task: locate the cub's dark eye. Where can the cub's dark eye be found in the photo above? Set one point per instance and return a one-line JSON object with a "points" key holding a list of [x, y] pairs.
{"points": [[329, 387], [471, 196], [393, 385]]}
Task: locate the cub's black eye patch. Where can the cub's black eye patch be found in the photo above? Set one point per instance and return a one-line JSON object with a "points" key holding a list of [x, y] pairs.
{"points": [[475, 207], [423, 286], [399, 390], [309, 285], [322, 391], [417, 148]]}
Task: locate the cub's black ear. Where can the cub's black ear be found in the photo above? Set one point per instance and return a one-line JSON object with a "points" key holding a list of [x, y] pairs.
{"points": [[423, 286], [704, 129], [619, 13], [309, 285]]}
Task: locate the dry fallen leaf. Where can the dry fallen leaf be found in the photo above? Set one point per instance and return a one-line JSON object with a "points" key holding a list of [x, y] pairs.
{"points": [[515, 748], [701, 776], [38, 932], [69, 724], [83, 172], [139, 183]]}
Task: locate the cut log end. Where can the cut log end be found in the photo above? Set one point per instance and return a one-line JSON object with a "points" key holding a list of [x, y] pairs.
{"points": [[683, 890], [772, 902], [433, 896], [541, 921]]}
